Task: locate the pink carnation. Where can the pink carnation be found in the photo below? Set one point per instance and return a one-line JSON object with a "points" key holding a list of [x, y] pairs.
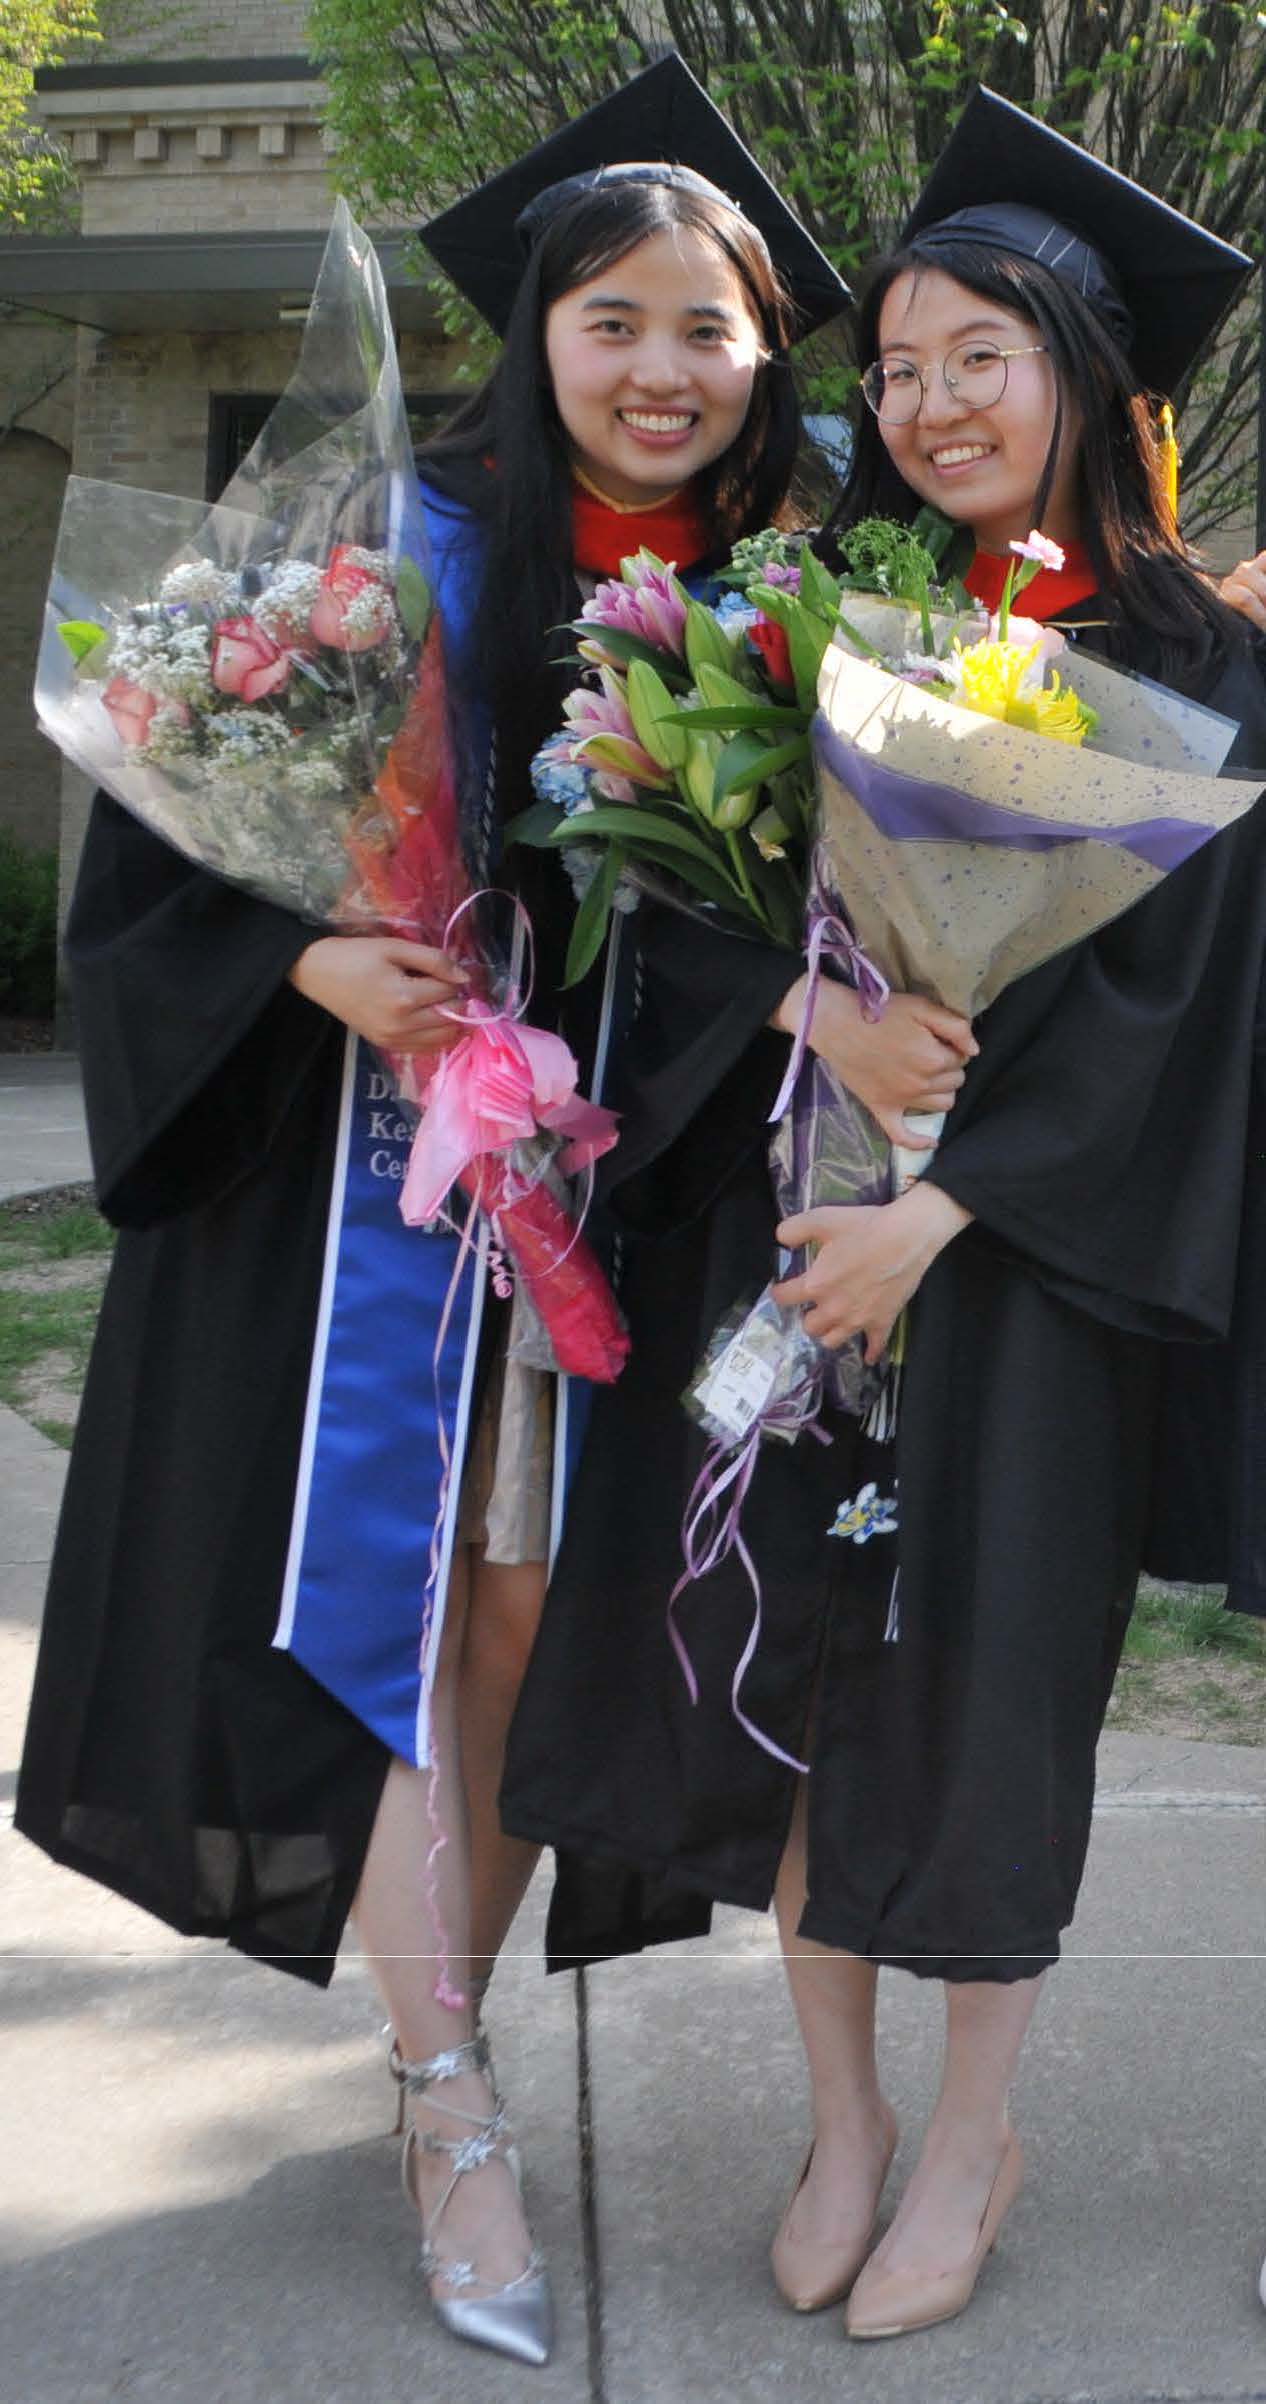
{"points": [[1038, 548]]}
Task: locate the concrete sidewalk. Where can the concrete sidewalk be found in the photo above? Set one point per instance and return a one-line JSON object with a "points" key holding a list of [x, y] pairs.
{"points": [[198, 2204], [43, 1136]]}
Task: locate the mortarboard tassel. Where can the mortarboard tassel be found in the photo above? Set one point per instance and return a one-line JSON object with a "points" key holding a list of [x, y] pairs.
{"points": [[1169, 458]]}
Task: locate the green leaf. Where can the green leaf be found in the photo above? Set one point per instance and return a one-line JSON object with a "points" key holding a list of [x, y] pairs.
{"points": [[536, 826], [656, 723], [740, 766], [619, 824], [709, 883], [758, 715], [413, 598], [819, 590], [719, 690], [590, 924], [707, 645], [808, 639], [747, 761], [80, 637], [624, 648]]}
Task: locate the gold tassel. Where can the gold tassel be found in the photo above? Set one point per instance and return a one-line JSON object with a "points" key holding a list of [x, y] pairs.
{"points": [[1169, 458]]}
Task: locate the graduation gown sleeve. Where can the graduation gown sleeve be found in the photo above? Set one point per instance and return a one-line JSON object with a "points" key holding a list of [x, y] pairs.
{"points": [[1091, 1137], [191, 1038], [699, 1069]]}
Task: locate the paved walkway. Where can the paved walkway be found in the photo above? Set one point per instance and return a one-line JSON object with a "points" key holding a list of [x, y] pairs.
{"points": [[43, 1138], [198, 2201], [198, 2204]]}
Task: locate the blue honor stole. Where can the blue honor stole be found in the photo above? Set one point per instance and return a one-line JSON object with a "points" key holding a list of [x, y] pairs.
{"points": [[391, 1384]]}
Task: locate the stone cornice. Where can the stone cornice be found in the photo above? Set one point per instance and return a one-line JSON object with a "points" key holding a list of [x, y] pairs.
{"points": [[188, 282], [93, 75]]}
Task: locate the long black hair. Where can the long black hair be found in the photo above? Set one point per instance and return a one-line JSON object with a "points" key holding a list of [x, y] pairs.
{"points": [[504, 455], [1154, 597]]}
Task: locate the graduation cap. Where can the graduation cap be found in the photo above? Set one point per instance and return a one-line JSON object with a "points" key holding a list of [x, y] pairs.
{"points": [[661, 127], [1011, 184]]}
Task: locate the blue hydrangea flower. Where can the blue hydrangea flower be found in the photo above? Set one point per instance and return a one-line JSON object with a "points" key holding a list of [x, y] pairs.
{"points": [[735, 613], [559, 780]]}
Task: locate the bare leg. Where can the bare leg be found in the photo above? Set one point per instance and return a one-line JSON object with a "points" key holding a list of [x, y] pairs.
{"points": [[501, 1625], [854, 2129], [394, 1919], [940, 2214]]}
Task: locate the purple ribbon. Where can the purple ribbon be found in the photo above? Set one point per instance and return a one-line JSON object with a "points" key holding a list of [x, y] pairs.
{"points": [[709, 1536], [830, 936], [916, 809]]}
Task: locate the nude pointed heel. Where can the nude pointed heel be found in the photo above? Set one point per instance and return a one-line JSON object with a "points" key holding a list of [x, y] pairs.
{"points": [[809, 2277], [887, 2303]]}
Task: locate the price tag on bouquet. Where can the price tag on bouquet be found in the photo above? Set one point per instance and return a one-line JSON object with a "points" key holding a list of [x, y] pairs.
{"points": [[737, 1388]]}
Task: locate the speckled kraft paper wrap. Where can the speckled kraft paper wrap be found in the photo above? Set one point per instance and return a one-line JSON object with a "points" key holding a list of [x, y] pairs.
{"points": [[967, 851]]}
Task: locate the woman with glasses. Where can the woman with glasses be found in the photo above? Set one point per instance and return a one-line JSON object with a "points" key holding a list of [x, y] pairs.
{"points": [[1079, 1219]]}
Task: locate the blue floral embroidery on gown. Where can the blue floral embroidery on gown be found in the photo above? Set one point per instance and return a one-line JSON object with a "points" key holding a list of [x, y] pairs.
{"points": [[868, 1514]]}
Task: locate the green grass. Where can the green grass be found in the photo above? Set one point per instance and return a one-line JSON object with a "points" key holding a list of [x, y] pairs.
{"points": [[1172, 1621], [38, 1324], [1192, 1667], [71, 1230]]}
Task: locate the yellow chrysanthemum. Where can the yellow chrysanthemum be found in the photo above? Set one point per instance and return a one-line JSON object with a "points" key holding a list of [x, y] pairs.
{"points": [[1002, 680], [1057, 713]]}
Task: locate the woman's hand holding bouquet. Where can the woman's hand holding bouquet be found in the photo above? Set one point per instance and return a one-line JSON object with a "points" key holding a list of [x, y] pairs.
{"points": [[865, 1263], [911, 1057], [398, 995]]}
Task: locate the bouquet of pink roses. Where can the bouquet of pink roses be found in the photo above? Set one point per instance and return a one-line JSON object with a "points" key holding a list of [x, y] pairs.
{"points": [[262, 682]]}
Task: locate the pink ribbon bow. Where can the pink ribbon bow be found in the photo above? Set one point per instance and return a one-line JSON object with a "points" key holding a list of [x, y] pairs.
{"points": [[502, 1083]]}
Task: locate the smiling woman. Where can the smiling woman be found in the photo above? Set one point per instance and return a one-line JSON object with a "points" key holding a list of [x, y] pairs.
{"points": [[653, 367], [175, 1751], [940, 1649], [967, 405]]}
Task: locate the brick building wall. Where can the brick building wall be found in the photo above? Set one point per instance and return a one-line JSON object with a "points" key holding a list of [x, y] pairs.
{"points": [[157, 154], [176, 29]]}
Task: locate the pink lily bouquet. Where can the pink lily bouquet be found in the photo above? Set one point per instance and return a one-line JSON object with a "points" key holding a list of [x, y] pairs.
{"points": [[683, 767]]}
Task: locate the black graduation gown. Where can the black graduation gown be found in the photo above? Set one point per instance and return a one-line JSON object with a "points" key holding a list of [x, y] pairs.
{"points": [[1208, 1516], [171, 1752], [1100, 1141]]}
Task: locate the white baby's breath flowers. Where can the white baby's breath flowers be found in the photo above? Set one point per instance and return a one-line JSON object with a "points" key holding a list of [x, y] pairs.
{"points": [[199, 584], [165, 657], [245, 744], [284, 608], [171, 736], [375, 563], [317, 776], [369, 613]]}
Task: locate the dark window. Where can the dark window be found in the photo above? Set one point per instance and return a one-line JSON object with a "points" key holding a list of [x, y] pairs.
{"points": [[238, 417]]}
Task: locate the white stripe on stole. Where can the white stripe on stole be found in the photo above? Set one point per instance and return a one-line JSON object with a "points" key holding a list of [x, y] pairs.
{"points": [[320, 1346], [452, 1504], [562, 1401]]}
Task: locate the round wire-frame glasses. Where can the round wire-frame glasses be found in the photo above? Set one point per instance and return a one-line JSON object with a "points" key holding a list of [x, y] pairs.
{"points": [[973, 373]]}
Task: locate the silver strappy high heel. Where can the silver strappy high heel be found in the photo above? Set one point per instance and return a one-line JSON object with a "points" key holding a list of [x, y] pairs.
{"points": [[518, 2319], [477, 1990]]}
